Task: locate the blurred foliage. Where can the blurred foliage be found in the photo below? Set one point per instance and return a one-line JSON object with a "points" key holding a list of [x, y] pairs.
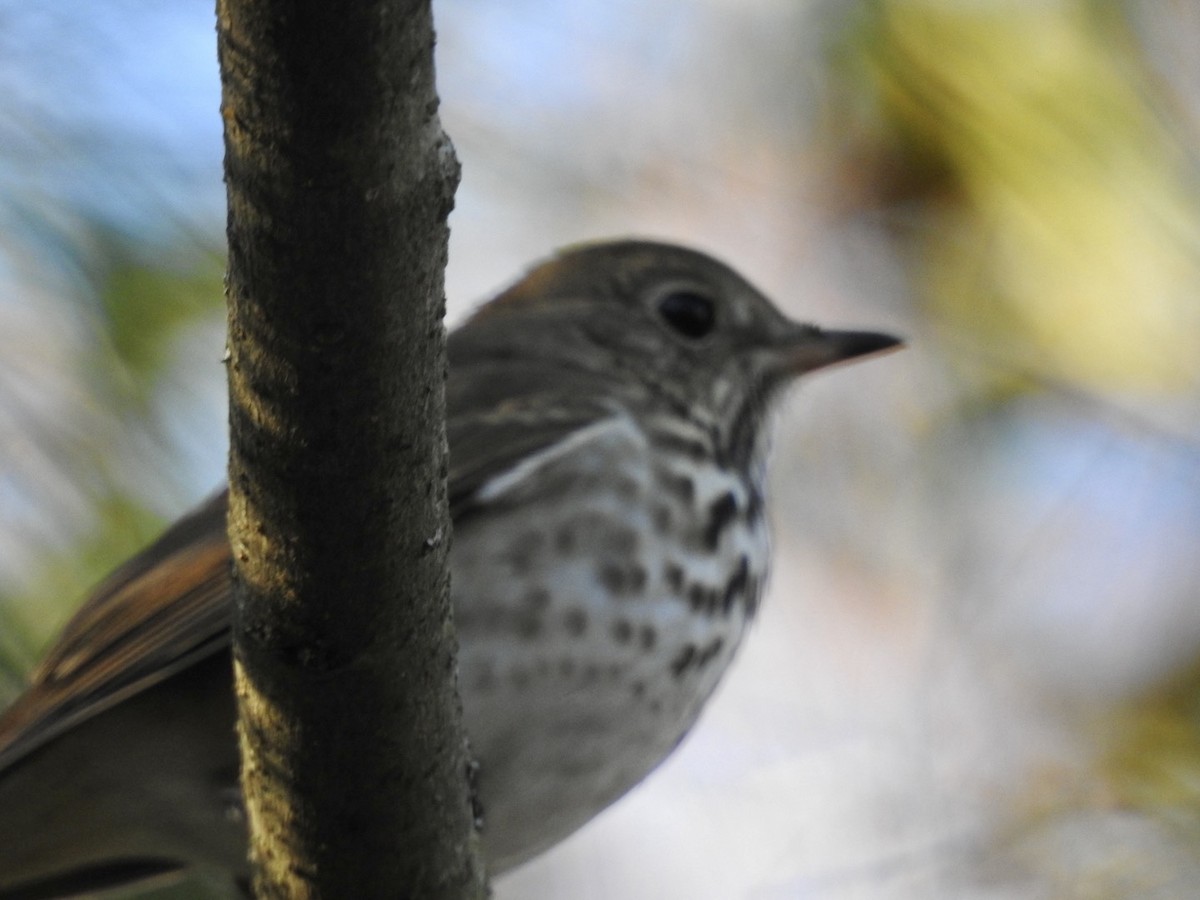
{"points": [[146, 309], [1039, 181], [1127, 825], [1154, 760], [123, 361], [1055, 203]]}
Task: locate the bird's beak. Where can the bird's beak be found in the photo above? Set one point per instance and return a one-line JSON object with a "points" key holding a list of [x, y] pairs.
{"points": [[808, 349]]}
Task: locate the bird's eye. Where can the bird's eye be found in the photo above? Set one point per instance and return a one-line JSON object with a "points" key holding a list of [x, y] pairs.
{"points": [[688, 313]]}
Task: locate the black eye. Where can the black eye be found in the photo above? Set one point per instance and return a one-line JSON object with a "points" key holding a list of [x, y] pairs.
{"points": [[690, 314]]}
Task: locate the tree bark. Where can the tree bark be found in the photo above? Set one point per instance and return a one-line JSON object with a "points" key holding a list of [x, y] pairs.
{"points": [[340, 179]]}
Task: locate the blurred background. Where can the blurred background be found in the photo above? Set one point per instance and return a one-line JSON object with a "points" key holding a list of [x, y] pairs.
{"points": [[977, 674]]}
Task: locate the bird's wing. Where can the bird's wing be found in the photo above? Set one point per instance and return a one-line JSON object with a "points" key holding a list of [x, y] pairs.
{"points": [[169, 606], [505, 416], [159, 613]]}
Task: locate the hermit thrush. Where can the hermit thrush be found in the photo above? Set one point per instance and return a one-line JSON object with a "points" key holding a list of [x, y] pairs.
{"points": [[606, 420]]}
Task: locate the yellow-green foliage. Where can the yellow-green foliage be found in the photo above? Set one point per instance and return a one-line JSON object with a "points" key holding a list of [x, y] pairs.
{"points": [[1064, 234], [1154, 762]]}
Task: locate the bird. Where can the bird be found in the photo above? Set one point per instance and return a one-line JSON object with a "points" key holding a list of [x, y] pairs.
{"points": [[608, 419]]}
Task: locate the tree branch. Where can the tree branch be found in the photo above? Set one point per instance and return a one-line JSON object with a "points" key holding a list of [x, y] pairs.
{"points": [[339, 182]]}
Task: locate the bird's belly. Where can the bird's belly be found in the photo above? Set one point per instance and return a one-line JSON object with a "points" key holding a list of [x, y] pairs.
{"points": [[589, 640]]}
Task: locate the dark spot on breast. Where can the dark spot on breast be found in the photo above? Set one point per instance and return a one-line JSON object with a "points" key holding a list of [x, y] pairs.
{"points": [[621, 542], [703, 599], [575, 621], [710, 651], [721, 513], [754, 503], [735, 588], [637, 579], [628, 489], [523, 554], [564, 540], [622, 631], [662, 519], [674, 576], [536, 599], [528, 624], [682, 660], [681, 486], [753, 589], [639, 690], [622, 579], [648, 637], [611, 577]]}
